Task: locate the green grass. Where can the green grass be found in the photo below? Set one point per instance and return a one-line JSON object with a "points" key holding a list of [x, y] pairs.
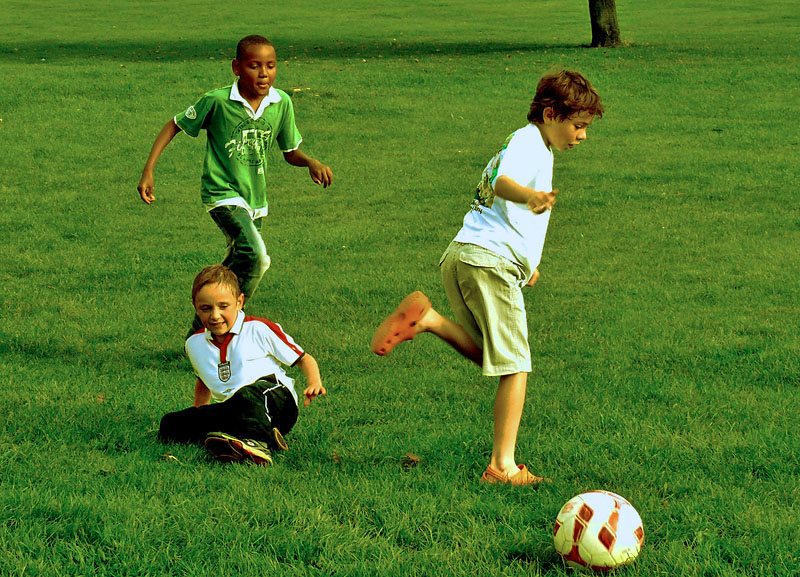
{"points": [[664, 328]]}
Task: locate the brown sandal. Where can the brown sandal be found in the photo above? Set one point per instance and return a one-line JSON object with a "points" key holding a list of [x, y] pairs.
{"points": [[399, 326], [521, 477]]}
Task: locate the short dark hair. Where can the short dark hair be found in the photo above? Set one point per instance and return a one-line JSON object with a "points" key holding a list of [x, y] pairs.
{"points": [[567, 93], [247, 42], [216, 274]]}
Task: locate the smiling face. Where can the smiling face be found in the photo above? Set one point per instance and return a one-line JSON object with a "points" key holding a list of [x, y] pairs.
{"points": [[256, 69], [217, 308], [564, 133]]}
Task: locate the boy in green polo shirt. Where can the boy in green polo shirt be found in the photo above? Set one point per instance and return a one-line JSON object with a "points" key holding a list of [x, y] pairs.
{"points": [[242, 121]]}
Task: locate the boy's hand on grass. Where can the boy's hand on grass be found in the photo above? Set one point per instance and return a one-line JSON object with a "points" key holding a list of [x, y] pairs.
{"points": [[145, 188], [312, 391], [320, 173], [540, 202]]}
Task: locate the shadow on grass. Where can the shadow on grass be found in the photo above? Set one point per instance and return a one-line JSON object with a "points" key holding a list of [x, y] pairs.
{"points": [[94, 354], [181, 50], [548, 560]]}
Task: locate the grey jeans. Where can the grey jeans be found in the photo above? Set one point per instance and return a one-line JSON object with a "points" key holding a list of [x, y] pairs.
{"points": [[246, 253]]}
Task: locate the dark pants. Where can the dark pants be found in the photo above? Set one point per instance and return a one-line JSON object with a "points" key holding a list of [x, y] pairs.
{"points": [[246, 253], [244, 415]]}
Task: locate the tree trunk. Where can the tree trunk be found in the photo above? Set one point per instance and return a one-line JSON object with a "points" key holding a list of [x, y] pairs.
{"points": [[605, 28]]}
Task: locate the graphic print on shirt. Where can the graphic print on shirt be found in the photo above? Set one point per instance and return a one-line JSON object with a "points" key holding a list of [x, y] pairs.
{"points": [[484, 192], [249, 142]]}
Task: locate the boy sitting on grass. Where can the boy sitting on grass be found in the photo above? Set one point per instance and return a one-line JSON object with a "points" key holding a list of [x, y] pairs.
{"points": [[495, 254], [238, 362]]}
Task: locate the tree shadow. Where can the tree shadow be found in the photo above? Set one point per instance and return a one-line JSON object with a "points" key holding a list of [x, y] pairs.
{"points": [[182, 50]]}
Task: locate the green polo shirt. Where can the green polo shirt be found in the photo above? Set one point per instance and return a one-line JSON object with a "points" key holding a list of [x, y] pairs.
{"points": [[239, 138]]}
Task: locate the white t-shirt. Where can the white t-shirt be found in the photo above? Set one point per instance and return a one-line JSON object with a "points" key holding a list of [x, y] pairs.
{"points": [[254, 348], [506, 228]]}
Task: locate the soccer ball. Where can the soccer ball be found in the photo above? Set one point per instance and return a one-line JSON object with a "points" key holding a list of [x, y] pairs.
{"points": [[598, 530]]}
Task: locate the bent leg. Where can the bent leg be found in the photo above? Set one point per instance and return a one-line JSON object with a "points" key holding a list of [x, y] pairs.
{"points": [[415, 315], [242, 415], [453, 334], [246, 254], [281, 408], [188, 425]]}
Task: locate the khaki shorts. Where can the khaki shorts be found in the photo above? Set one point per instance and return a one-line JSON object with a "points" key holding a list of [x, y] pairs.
{"points": [[485, 292]]}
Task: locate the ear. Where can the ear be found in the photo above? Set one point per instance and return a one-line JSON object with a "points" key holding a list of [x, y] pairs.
{"points": [[548, 115], [235, 67], [240, 302]]}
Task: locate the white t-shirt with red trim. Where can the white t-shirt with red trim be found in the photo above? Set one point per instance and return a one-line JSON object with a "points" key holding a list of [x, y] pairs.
{"points": [[254, 348]]}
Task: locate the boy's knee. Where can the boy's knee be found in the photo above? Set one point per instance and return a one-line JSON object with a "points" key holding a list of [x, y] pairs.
{"points": [[165, 428], [172, 428], [262, 263], [253, 259]]}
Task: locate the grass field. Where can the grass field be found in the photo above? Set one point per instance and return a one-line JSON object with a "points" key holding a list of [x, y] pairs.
{"points": [[664, 328]]}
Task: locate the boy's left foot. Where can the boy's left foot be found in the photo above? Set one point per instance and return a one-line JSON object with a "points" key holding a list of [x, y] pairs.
{"points": [[230, 449], [522, 477], [401, 325]]}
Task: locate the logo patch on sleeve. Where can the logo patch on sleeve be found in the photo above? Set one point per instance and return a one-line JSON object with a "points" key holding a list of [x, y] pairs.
{"points": [[191, 113]]}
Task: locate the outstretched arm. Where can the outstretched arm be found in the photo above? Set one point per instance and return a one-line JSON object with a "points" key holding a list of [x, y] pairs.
{"points": [[164, 137], [310, 369], [320, 173]]}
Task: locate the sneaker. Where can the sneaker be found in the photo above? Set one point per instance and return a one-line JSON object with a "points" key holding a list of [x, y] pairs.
{"points": [[401, 324], [522, 477], [278, 442], [229, 449]]}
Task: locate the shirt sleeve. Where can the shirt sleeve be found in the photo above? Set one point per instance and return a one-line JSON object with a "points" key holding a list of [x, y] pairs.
{"points": [[193, 119], [518, 162], [192, 354], [289, 137], [280, 345]]}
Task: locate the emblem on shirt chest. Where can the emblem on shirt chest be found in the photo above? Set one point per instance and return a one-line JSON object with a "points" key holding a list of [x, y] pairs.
{"points": [[224, 371], [249, 142]]}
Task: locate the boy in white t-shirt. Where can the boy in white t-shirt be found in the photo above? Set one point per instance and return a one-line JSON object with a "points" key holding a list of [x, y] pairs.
{"points": [[495, 254], [239, 364]]}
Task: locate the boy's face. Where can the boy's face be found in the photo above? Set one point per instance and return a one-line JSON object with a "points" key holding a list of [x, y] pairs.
{"points": [[256, 71], [217, 308], [565, 133]]}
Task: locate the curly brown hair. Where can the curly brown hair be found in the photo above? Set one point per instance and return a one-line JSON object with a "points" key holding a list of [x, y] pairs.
{"points": [[567, 93]]}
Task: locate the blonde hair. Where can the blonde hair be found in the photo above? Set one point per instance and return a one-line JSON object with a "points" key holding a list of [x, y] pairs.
{"points": [[216, 274]]}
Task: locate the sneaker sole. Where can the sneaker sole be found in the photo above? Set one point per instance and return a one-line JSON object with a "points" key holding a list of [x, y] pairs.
{"points": [[280, 442], [232, 450]]}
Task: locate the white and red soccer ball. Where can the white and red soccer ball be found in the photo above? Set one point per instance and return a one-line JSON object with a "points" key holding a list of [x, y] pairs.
{"points": [[598, 530]]}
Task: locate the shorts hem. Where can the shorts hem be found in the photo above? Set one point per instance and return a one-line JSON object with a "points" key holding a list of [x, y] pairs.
{"points": [[502, 372]]}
